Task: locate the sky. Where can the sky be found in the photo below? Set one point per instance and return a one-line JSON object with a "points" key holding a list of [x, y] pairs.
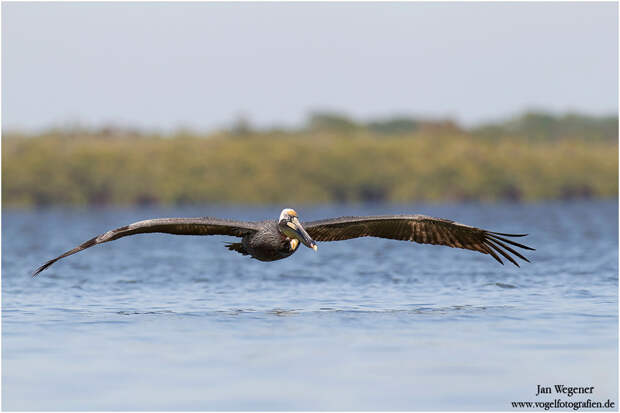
{"points": [[164, 66]]}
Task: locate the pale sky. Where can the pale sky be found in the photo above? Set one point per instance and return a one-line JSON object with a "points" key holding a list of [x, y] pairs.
{"points": [[160, 66]]}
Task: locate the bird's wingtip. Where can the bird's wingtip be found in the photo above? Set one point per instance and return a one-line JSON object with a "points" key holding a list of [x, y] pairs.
{"points": [[42, 267], [508, 235]]}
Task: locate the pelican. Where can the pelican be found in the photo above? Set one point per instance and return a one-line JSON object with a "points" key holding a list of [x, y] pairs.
{"points": [[273, 240]]}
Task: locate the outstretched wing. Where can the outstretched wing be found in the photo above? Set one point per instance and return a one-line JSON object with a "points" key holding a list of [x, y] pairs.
{"points": [[418, 228], [178, 226]]}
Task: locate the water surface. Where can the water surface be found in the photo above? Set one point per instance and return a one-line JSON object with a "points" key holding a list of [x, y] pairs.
{"points": [[163, 322]]}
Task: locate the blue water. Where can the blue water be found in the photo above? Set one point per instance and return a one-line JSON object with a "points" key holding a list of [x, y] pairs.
{"points": [[163, 322]]}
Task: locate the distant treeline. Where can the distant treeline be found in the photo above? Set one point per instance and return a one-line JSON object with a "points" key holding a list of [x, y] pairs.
{"points": [[330, 159], [533, 125]]}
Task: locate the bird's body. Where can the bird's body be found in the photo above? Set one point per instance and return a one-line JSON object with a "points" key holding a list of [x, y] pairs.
{"points": [[266, 244], [273, 240]]}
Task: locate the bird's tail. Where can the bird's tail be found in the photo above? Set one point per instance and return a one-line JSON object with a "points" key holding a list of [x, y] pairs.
{"points": [[237, 246]]}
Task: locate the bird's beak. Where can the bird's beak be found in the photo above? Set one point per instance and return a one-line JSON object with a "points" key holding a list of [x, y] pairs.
{"points": [[301, 234]]}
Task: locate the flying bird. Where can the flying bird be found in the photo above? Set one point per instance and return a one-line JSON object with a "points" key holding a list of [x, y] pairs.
{"points": [[273, 240]]}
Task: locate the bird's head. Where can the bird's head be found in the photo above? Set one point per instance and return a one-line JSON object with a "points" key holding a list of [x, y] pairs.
{"points": [[290, 226]]}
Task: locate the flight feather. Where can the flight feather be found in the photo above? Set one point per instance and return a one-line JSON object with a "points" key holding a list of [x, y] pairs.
{"points": [[418, 228], [178, 226]]}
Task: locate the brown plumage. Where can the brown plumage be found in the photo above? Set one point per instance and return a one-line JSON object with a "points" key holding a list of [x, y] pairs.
{"points": [[276, 239], [177, 226], [417, 228]]}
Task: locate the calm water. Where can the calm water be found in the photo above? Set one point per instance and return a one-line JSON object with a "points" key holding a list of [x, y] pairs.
{"points": [[162, 322]]}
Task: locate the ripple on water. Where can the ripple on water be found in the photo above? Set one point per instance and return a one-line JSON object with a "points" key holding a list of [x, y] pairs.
{"points": [[170, 318]]}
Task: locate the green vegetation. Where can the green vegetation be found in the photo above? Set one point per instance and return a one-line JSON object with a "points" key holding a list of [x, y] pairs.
{"points": [[544, 126], [332, 159]]}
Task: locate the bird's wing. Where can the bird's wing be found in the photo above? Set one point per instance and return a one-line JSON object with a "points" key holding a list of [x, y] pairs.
{"points": [[417, 228], [178, 226]]}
